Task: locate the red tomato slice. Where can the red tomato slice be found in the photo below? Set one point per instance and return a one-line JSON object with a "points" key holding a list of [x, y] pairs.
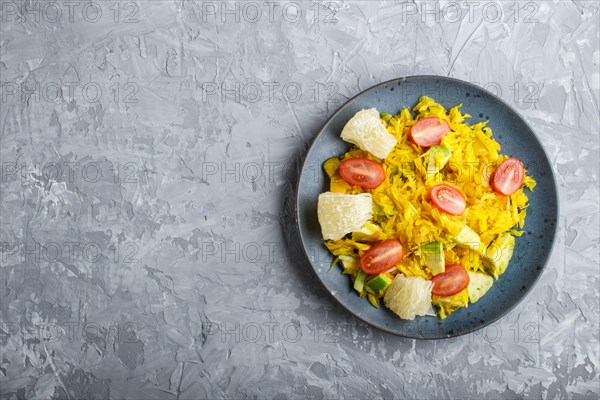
{"points": [[448, 199], [453, 280], [508, 177], [429, 131], [381, 257], [362, 172]]}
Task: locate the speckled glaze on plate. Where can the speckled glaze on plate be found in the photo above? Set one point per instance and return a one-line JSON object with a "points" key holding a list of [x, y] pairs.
{"points": [[517, 139]]}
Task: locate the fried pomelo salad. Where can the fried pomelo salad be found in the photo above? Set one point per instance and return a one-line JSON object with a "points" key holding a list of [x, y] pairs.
{"points": [[422, 212]]}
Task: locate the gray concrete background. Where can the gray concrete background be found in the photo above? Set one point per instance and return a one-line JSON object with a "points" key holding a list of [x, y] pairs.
{"points": [[148, 156]]}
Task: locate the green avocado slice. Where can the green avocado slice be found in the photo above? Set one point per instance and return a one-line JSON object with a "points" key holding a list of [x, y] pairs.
{"points": [[467, 237], [359, 282], [498, 254], [479, 284], [379, 282], [432, 255], [437, 157]]}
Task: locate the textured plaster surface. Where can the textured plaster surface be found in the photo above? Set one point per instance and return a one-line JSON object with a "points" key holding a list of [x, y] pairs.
{"points": [[149, 154]]}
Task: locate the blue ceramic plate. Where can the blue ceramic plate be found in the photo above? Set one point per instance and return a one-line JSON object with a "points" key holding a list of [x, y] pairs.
{"points": [[517, 139]]}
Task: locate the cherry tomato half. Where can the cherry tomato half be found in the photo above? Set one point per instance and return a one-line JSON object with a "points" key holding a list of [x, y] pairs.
{"points": [[429, 131], [508, 177], [448, 199], [381, 257], [362, 172], [453, 280]]}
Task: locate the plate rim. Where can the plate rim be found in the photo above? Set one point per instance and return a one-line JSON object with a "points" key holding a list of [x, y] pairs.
{"points": [[552, 174]]}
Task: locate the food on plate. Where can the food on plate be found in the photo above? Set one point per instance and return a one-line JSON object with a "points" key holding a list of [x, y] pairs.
{"points": [[448, 199], [340, 213], [362, 172], [454, 279], [498, 254], [429, 131], [437, 157], [409, 296], [368, 133], [381, 257], [432, 256], [479, 284], [508, 177], [423, 211]]}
